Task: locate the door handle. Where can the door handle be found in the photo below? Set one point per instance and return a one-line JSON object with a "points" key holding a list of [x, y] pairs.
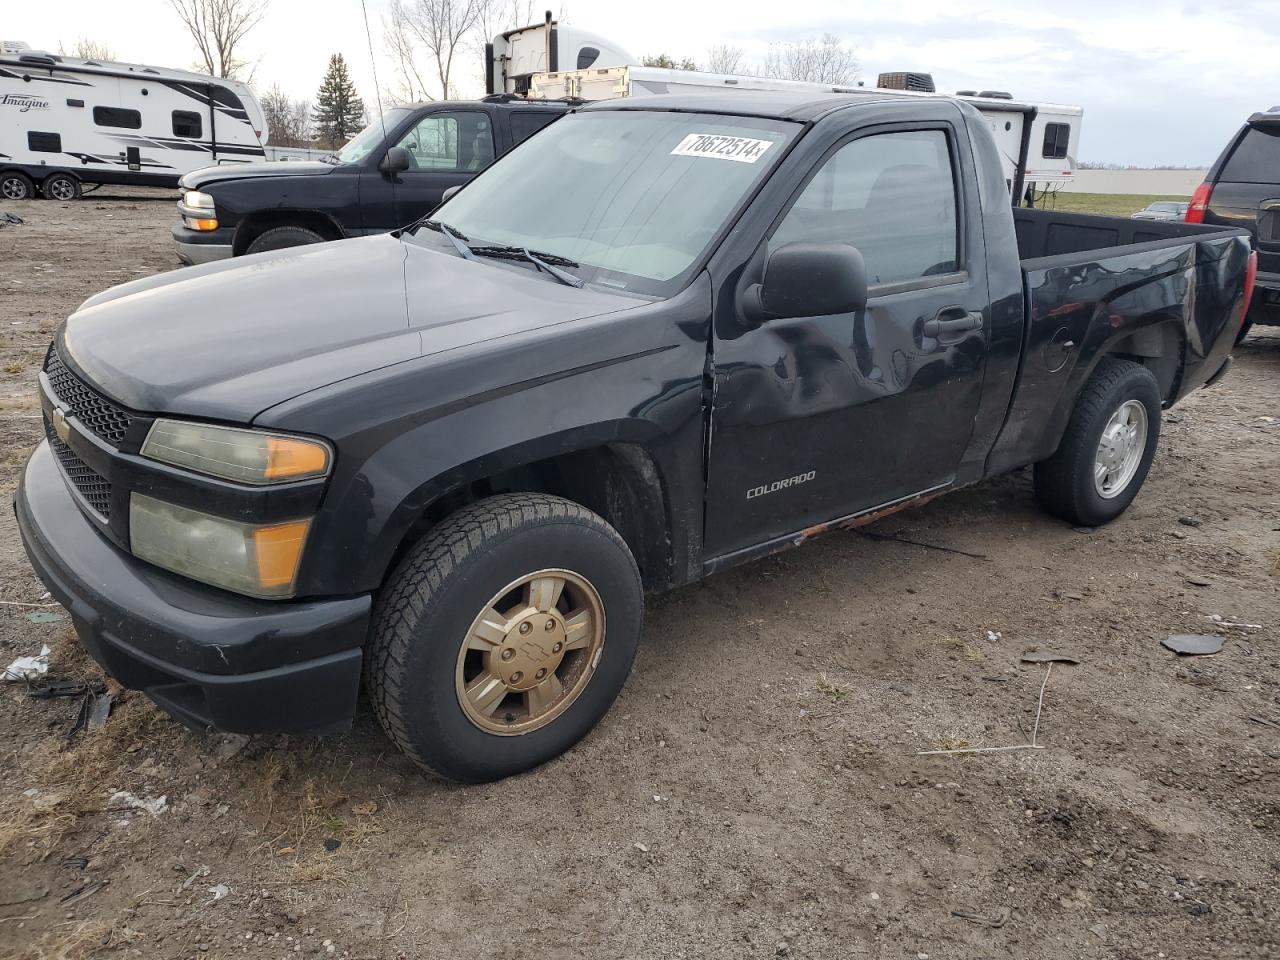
{"points": [[951, 321]]}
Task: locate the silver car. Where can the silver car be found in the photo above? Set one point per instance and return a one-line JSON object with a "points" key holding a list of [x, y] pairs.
{"points": [[1163, 210]]}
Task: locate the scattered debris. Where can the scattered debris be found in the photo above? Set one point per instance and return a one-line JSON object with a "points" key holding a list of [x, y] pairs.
{"points": [[25, 669], [881, 537], [366, 809], [196, 874], [994, 635], [123, 799], [641, 847], [995, 920], [48, 689], [75, 862], [45, 616], [9, 218], [1198, 581], [1192, 644], [1035, 730], [332, 843], [1190, 521], [1233, 624], [218, 892], [1036, 656], [99, 709], [82, 893], [1254, 718]]}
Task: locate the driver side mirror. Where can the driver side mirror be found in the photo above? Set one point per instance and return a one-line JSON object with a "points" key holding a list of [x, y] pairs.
{"points": [[805, 279], [396, 161]]}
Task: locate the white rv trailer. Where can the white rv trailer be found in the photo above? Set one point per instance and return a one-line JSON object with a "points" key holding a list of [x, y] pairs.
{"points": [[1037, 141], [65, 121]]}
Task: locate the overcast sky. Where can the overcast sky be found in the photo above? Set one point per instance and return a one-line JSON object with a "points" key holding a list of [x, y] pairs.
{"points": [[1160, 81]]}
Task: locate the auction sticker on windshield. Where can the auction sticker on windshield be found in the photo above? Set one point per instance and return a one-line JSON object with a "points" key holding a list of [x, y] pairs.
{"points": [[720, 147]]}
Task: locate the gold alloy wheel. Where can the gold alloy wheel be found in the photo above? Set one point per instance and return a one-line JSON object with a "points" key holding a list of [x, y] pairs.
{"points": [[530, 653]]}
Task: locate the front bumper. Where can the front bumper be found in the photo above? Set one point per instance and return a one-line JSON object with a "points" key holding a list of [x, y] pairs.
{"points": [[208, 657], [195, 246]]}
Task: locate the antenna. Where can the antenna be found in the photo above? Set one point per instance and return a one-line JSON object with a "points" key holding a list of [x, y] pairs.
{"points": [[377, 90]]}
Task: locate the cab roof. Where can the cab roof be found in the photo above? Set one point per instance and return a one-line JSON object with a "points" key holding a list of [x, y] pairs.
{"points": [[801, 106]]}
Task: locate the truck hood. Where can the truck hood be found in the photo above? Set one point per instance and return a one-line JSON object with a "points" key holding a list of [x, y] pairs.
{"points": [[242, 171], [226, 340]]}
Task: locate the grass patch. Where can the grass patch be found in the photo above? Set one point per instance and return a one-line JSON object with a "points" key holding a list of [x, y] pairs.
{"points": [[1110, 204]]}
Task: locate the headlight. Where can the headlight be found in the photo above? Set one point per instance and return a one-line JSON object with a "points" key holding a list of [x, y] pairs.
{"points": [[246, 456], [198, 201], [261, 561]]}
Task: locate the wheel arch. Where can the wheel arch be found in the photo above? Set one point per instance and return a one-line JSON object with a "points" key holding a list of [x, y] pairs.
{"points": [[619, 478], [260, 221]]}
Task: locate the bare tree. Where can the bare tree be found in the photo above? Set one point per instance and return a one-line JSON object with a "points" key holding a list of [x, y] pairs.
{"points": [[218, 27], [88, 50], [440, 27], [825, 60], [725, 58], [288, 120]]}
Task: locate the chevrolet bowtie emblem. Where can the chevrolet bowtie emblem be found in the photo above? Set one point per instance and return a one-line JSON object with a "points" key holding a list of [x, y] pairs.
{"points": [[60, 425]]}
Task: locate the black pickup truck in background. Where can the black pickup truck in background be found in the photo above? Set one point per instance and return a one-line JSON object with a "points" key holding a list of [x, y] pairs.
{"points": [[663, 337], [393, 172], [1242, 189]]}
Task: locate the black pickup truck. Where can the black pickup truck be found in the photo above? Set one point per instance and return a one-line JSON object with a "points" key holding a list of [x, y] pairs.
{"points": [[663, 337], [393, 172]]}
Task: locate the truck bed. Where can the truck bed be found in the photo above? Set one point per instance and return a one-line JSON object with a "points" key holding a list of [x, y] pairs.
{"points": [[1165, 292]]}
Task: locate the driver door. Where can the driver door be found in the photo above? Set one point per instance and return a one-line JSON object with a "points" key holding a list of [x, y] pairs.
{"points": [[446, 148]]}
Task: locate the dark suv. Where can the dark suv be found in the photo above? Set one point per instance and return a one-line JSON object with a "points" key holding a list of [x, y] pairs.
{"points": [[391, 174], [1243, 190]]}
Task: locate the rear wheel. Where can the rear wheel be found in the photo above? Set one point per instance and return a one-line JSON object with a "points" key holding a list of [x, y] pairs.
{"points": [[278, 238], [489, 652], [1107, 448], [15, 185], [60, 186]]}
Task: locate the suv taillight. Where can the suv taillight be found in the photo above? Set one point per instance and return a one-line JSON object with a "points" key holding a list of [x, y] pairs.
{"points": [[1199, 203], [1250, 278]]}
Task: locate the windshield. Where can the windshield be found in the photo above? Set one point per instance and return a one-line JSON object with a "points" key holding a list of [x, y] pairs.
{"points": [[633, 197], [363, 143], [1162, 207]]}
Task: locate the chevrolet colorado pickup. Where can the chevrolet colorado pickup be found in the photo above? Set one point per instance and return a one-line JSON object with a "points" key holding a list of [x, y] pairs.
{"points": [[661, 338], [394, 171]]}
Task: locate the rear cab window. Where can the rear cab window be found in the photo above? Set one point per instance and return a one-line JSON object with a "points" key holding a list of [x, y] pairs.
{"points": [[525, 123], [1256, 158]]}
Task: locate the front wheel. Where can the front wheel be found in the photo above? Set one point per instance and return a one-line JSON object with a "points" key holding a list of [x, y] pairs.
{"points": [[1107, 448], [277, 238], [503, 636]]}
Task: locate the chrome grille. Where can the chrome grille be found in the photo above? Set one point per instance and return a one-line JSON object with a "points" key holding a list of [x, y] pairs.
{"points": [[91, 485], [106, 419]]}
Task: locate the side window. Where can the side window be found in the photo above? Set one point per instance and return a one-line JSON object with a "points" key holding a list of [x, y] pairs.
{"points": [[891, 195], [1256, 158], [450, 142], [38, 142], [187, 123], [587, 56], [117, 117], [1056, 139], [525, 123]]}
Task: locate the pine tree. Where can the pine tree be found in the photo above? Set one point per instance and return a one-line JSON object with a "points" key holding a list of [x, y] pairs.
{"points": [[339, 111]]}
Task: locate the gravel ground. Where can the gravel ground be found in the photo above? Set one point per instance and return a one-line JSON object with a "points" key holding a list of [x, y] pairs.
{"points": [[757, 790]]}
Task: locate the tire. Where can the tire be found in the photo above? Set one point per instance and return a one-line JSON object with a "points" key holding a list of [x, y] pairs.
{"points": [[16, 185], [1244, 331], [277, 238], [420, 666], [1066, 484], [60, 186]]}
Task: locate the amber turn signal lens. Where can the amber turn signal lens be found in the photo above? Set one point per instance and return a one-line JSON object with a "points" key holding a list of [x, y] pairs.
{"points": [[278, 549], [295, 458], [203, 224]]}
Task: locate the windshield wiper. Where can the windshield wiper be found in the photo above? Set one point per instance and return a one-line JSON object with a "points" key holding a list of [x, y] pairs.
{"points": [[543, 261], [455, 238]]}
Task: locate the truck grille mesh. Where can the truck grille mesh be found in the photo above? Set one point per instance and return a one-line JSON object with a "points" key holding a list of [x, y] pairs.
{"points": [[106, 419], [91, 485]]}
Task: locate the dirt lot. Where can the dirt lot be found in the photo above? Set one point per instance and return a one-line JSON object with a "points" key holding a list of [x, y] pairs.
{"points": [[756, 791]]}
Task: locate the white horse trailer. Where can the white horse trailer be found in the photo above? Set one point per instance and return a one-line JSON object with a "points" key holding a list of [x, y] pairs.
{"points": [[1037, 141], [65, 122]]}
